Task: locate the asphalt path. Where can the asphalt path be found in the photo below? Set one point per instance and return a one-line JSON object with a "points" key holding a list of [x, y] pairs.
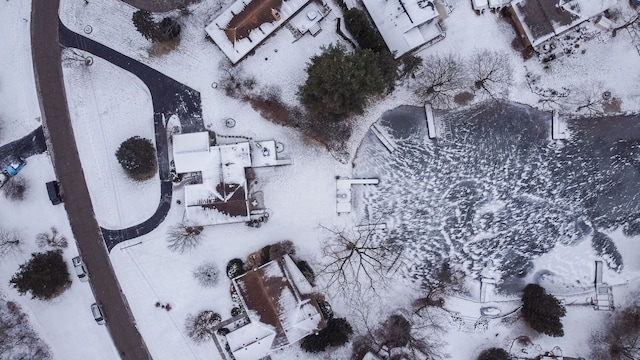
{"points": [[169, 97], [31, 144], [57, 128], [159, 5]]}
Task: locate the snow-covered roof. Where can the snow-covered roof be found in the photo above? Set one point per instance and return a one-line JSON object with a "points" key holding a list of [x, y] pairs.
{"points": [[404, 24], [252, 341], [245, 24], [191, 142], [272, 297], [544, 19], [222, 195]]}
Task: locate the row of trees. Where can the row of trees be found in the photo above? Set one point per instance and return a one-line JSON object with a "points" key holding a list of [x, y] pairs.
{"points": [[445, 77]]}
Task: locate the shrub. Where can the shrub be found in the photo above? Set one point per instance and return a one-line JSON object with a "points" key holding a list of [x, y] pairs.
{"points": [[201, 326], [542, 311], [235, 311], [137, 157], [280, 249], [335, 334], [357, 23], [235, 268], [15, 188], [52, 239], [307, 271], [265, 256], [325, 309], [45, 275], [206, 274], [494, 354]]}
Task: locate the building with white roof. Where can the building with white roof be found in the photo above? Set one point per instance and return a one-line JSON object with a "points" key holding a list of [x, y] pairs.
{"points": [[282, 308], [221, 196], [246, 23], [405, 25]]}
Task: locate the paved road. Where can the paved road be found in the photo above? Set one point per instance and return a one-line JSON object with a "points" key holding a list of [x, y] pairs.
{"points": [[169, 97], [57, 128], [31, 144], [159, 5]]}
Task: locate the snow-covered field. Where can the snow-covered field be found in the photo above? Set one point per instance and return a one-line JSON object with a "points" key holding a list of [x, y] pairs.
{"points": [[108, 105]]}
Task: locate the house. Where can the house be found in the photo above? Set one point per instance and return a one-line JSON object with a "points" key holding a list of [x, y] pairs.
{"points": [[221, 194], [282, 308], [246, 23], [539, 21], [406, 25]]}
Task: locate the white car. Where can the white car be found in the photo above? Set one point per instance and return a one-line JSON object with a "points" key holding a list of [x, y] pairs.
{"points": [[96, 310], [81, 270]]}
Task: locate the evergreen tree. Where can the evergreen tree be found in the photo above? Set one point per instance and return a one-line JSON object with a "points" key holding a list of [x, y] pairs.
{"points": [[494, 354], [167, 29], [144, 24], [542, 311], [137, 157], [335, 334], [45, 275], [340, 83]]}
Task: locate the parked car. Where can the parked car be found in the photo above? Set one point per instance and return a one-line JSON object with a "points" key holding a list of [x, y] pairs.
{"points": [[81, 270], [15, 167], [53, 189], [98, 315]]}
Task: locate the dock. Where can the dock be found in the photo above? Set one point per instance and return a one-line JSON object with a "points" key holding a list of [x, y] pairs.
{"points": [[431, 126], [558, 128], [343, 192], [384, 139]]}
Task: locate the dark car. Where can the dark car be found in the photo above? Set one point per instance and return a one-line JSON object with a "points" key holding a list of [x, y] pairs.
{"points": [[53, 189]]}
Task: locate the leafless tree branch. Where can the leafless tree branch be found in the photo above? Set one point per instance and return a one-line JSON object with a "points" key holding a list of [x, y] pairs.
{"points": [[491, 72]]}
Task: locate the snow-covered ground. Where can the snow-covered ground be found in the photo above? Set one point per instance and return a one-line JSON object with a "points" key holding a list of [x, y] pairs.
{"points": [[108, 105]]}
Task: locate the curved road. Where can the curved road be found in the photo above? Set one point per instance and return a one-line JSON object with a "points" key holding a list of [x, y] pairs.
{"points": [[57, 127], [169, 97]]}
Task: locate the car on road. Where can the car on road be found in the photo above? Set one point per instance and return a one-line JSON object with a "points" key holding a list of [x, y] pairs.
{"points": [[98, 315], [81, 270], [53, 189]]}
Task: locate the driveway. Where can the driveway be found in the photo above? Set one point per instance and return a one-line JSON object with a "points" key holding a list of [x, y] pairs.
{"points": [[31, 144], [160, 5], [57, 128], [169, 97]]}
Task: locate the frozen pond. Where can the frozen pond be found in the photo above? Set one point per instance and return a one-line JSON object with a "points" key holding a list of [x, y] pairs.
{"points": [[501, 192]]}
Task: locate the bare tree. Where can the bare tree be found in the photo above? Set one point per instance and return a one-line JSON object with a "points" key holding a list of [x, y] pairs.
{"points": [[17, 338], [10, 242], [184, 237], [440, 79], [620, 339], [548, 97], [399, 337], [491, 72], [363, 257], [207, 274], [15, 188], [52, 239], [588, 98], [445, 282], [202, 326], [627, 24]]}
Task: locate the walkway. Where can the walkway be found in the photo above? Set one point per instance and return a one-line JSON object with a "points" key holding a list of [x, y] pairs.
{"points": [[159, 5], [169, 97], [57, 127]]}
